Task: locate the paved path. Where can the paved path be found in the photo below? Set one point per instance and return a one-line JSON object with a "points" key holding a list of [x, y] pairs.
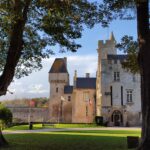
{"points": [[68, 129]]}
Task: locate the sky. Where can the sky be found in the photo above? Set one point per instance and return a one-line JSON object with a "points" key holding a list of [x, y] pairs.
{"points": [[84, 61]]}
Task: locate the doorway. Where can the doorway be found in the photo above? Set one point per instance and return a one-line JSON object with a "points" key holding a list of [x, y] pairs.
{"points": [[117, 118]]}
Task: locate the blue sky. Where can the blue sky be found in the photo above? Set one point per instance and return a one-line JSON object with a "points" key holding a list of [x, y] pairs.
{"points": [[84, 60]]}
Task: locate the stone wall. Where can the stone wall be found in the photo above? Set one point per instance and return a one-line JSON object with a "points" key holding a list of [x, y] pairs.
{"points": [[26, 114]]}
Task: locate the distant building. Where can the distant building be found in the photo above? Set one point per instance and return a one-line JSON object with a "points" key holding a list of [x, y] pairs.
{"points": [[114, 93]]}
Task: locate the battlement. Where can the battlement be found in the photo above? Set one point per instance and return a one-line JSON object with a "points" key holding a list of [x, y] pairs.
{"points": [[107, 46], [107, 43]]}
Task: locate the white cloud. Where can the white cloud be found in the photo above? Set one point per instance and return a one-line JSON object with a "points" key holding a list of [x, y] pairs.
{"points": [[37, 85], [37, 88]]}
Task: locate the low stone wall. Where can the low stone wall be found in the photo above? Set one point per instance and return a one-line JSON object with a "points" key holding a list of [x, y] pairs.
{"points": [[27, 114]]}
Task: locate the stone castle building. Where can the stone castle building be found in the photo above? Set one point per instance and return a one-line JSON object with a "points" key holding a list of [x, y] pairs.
{"points": [[114, 93]]}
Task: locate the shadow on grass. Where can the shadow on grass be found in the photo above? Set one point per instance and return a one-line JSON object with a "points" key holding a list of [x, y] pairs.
{"points": [[51, 141]]}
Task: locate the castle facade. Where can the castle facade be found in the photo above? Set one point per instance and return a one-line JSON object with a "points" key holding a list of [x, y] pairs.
{"points": [[114, 93]]}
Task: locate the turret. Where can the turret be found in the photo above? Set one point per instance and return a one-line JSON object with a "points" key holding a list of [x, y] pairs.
{"points": [[112, 38], [58, 77], [107, 47]]}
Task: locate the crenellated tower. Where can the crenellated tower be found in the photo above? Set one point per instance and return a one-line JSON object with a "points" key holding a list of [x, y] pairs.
{"points": [[107, 47]]}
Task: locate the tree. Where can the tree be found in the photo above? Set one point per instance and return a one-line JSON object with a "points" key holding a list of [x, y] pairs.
{"points": [[5, 116], [130, 47], [5, 120], [29, 29], [122, 9]]}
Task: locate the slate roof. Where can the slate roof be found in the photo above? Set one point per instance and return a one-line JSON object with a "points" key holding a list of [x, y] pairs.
{"points": [[116, 57], [86, 83], [68, 89], [59, 66]]}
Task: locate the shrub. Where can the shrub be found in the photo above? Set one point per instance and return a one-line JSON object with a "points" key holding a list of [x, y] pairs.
{"points": [[5, 117]]}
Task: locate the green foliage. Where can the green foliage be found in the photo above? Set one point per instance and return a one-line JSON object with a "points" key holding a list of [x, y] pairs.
{"points": [[5, 116], [130, 47], [49, 23], [114, 9]]}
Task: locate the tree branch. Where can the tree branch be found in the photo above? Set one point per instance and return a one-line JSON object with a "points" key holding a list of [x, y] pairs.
{"points": [[16, 45]]}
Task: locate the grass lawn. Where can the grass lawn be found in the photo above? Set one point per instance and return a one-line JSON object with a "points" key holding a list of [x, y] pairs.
{"points": [[71, 140], [74, 126], [39, 126], [24, 127]]}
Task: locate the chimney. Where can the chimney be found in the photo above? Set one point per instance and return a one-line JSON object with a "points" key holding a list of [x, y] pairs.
{"points": [[87, 75], [65, 59], [75, 77]]}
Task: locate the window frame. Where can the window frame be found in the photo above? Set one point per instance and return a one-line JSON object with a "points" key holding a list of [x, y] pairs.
{"points": [[129, 95], [116, 76]]}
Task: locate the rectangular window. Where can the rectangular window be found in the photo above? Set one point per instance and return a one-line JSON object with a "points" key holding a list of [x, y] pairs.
{"points": [[129, 96], [69, 98], [116, 76], [122, 95], [111, 96], [115, 61], [109, 61], [57, 90], [86, 96], [134, 78], [86, 110]]}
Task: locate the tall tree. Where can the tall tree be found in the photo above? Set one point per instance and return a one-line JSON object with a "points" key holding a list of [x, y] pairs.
{"points": [[29, 29], [123, 9], [131, 48]]}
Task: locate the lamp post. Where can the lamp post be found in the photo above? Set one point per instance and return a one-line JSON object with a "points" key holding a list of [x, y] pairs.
{"points": [[31, 104], [62, 99]]}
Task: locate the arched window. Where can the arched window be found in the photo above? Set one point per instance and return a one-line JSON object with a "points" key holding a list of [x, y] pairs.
{"points": [[57, 90]]}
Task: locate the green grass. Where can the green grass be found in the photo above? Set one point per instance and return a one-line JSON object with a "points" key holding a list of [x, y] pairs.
{"points": [[116, 133], [39, 126], [71, 140], [24, 127], [74, 125]]}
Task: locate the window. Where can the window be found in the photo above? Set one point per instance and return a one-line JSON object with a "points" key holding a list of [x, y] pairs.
{"points": [[86, 110], [129, 96], [69, 98], [134, 78], [116, 76], [86, 96], [109, 61], [115, 61], [57, 90]]}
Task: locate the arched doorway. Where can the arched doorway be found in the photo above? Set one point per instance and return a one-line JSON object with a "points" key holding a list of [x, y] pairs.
{"points": [[117, 118]]}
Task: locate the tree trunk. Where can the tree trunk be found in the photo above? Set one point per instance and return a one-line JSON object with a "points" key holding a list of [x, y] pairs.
{"points": [[15, 49], [3, 142], [144, 62], [16, 44]]}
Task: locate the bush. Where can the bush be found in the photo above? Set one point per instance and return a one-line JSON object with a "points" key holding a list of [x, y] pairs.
{"points": [[5, 117]]}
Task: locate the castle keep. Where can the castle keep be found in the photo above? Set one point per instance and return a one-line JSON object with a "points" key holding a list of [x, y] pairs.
{"points": [[114, 93]]}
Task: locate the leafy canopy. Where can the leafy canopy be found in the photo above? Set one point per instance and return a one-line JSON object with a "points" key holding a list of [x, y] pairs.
{"points": [[130, 47], [49, 23]]}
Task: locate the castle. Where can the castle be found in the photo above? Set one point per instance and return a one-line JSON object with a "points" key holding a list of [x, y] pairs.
{"points": [[114, 93]]}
